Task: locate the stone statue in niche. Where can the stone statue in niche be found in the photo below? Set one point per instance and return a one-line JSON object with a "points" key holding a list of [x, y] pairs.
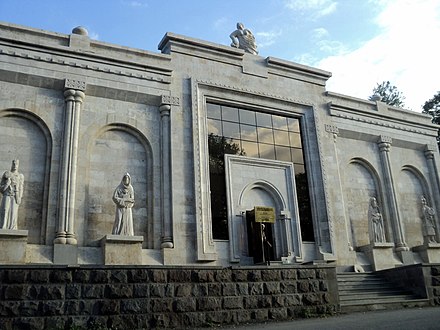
{"points": [[244, 39], [11, 186], [124, 200], [375, 221], [428, 222]]}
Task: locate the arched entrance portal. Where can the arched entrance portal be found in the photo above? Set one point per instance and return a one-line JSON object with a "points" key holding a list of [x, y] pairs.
{"points": [[252, 182]]}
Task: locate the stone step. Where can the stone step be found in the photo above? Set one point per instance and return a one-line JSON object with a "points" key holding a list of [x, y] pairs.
{"points": [[376, 284], [364, 294], [385, 305], [371, 298], [366, 291]]}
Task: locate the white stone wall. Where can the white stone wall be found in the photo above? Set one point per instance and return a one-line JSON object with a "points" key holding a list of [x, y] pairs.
{"points": [[145, 113]]}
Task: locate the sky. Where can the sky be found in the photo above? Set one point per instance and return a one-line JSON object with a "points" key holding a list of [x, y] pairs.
{"points": [[361, 42]]}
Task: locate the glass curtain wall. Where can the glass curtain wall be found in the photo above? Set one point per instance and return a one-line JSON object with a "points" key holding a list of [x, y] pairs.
{"points": [[244, 132]]}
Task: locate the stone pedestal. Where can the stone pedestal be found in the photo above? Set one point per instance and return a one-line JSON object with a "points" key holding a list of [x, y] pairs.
{"points": [[379, 254], [429, 252], [406, 256], [13, 246], [122, 250], [65, 254]]}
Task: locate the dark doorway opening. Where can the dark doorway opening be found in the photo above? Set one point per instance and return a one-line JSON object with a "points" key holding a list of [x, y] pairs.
{"points": [[261, 244]]}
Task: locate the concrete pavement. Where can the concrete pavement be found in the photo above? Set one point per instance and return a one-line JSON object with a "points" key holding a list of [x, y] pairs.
{"points": [[427, 318]]}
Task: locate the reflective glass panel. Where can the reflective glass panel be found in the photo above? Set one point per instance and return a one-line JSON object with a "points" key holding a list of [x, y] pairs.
{"points": [[215, 127], [293, 124], [283, 153], [247, 117], [264, 120], [265, 135], [250, 149], [248, 132], [295, 140], [281, 137], [267, 151], [231, 130], [279, 122], [229, 113], [213, 111], [299, 168], [297, 156]]}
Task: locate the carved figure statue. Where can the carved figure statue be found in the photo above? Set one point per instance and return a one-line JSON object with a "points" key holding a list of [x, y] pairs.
{"points": [[11, 186], [428, 222], [244, 39], [124, 200], [376, 222]]}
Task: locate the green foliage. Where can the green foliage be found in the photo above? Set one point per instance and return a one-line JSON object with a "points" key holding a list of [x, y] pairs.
{"points": [[218, 147], [388, 94], [432, 108]]}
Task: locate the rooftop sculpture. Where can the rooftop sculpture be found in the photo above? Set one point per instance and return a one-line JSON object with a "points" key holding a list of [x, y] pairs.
{"points": [[244, 39]]}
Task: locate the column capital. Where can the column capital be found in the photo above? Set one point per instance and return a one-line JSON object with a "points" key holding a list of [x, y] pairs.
{"points": [[69, 95], [429, 151], [384, 143], [78, 85], [165, 110], [73, 95], [384, 146], [385, 139], [332, 129], [170, 100]]}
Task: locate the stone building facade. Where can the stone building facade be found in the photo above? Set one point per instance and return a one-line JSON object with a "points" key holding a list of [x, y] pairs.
{"points": [[208, 133]]}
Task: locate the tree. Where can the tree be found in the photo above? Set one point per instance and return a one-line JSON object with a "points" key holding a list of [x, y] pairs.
{"points": [[219, 146], [388, 94], [432, 108]]}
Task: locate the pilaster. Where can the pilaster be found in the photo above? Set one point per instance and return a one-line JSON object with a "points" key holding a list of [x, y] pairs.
{"points": [[384, 144], [166, 192], [74, 96]]}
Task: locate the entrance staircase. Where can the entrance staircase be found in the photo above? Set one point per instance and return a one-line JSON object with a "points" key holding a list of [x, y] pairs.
{"points": [[368, 291]]}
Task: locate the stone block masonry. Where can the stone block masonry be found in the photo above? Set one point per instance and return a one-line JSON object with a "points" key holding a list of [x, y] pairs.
{"points": [[39, 297]]}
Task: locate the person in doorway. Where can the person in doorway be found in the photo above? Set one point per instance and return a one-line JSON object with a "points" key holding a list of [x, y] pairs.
{"points": [[266, 245]]}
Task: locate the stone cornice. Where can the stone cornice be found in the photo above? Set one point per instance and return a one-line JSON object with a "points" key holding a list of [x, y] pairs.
{"points": [[297, 71], [253, 92], [45, 46], [82, 62], [414, 123], [171, 39]]}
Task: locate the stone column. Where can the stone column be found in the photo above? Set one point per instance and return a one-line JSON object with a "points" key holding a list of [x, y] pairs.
{"points": [[286, 235], [435, 183], [384, 144], [165, 177], [74, 97]]}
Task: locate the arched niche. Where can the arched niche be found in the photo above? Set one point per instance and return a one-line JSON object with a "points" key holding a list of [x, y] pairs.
{"points": [[25, 136], [411, 186], [261, 192], [361, 182], [118, 149]]}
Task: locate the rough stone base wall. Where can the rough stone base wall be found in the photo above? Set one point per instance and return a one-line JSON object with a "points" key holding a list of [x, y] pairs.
{"points": [[434, 287], [142, 298]]}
